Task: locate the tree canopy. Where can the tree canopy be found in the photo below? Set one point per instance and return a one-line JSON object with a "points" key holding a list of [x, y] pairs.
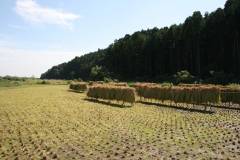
{"points": [[201, 44]]}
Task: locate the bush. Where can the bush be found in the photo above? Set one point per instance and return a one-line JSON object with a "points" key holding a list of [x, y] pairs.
{"points": [[98, 73], [14, 78], [45, 82], [219, 77], [82, 86], [107, 80], [183, 77], [115, 80], [16, 83], [108, 92]]}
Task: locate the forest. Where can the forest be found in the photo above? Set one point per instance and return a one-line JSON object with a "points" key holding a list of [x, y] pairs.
{"points": [[204, 48]]}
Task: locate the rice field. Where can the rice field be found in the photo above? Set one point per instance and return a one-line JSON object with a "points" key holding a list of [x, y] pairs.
{"points": [[50, 122]]}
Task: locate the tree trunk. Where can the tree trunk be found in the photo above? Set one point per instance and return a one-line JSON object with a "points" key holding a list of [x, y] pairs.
{"points": [[198, 60]]}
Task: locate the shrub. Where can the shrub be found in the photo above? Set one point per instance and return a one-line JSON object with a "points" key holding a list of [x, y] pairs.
{"points": [[82, 86], [107, 79], [109, 92], [45, 82], [219, 77], [183, 77], [98, 73]]}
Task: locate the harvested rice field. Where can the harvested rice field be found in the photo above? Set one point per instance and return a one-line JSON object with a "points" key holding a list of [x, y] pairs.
{"points": [[51, 122]]}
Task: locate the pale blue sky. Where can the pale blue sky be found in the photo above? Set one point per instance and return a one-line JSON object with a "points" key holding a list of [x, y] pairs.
{"points": [[37, 34]]}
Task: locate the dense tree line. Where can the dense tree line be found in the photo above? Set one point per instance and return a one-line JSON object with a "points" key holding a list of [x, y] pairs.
{"points": [[205, 45]]}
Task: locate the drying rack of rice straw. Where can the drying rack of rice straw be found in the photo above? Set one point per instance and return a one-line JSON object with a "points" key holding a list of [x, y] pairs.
{"points": [[230, 96]]}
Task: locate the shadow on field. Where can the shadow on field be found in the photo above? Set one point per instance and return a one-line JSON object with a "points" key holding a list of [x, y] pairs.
{"points": [[107, 103], [226, 107], [176, 107], [75, 91]]}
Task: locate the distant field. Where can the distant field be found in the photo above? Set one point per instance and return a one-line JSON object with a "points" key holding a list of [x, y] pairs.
{"points": [[16, 83], [50, 122]]}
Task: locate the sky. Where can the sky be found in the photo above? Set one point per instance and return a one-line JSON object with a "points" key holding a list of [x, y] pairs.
{"points": [[38, 34]]}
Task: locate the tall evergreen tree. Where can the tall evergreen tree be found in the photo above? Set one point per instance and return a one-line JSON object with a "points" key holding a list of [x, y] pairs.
{"points": [[200, 45]]}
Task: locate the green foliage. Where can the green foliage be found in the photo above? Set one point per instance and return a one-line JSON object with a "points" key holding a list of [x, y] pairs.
{"points": [[78, 80], [52, 82], [13, 81], [200, 44], [45, 82], [184, 77], [219, 77], [14, 78], [98, 73], [10, 81], [107, 80]]}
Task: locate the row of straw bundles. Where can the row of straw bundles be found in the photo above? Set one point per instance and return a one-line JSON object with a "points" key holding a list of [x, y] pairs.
{"points": [[81, 86], [138, 84], [190, 85], [193, 95], [122, 84], [91, 83], [142, 89], [230, 95], [107, 92]]}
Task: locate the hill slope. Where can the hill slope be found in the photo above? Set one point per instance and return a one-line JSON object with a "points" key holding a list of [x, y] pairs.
{"points": [[200, 45]]}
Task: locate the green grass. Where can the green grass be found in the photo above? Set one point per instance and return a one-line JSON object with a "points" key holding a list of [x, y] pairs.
{"points": [[16, 83], [7, 83], [48, 121]]}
